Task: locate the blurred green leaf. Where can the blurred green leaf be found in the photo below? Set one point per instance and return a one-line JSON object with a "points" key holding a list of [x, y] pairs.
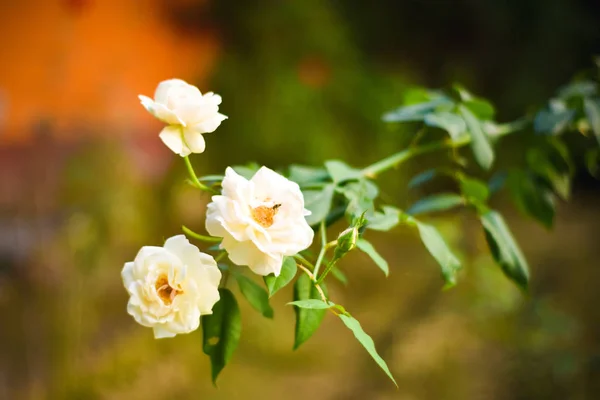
{"points": [[592, 111], [435, 203], [386, 220], [247, 171], [482, 149], [366, 341], [311, 304], [340, 171], [288, 272], [531, 198], [306, 176], [256, 295], [221, 332], [553, 121], [592, 161], [415, 112], [450, 122], [483, 109], [497, 181], [368, 248], [540, 163], [307, 321], [474, 190], [360, 196], [504, 249], [318, 202], [578, 89], [438, 248]]}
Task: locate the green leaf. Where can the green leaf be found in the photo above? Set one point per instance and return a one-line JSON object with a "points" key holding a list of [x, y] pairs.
{"points": [[415, 112], [305, 176], [531, 198], [554, 120], [307, 321], [436, 203], [366, 341], [368, 248], [438, 248], [497, 181], [592, 111], [318, 202], [578, 89], [592, 161], [384, 221], [256, 295], [248, 170], [504, 249], [482, 149], [221, 332], [474, 190], [311, 304], [483, 109], [340, 171], [422, 178], [542, 165], [360, 196], [288, 272], [450, 122]]}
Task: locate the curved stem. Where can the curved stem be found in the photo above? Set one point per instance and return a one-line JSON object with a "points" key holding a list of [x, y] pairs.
{"points": [[314, 281], [198, 236], [323, 233], [195, 179]]}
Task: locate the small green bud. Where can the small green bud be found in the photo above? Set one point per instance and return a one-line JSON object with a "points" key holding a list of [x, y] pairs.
{"points": [[346, 242]]}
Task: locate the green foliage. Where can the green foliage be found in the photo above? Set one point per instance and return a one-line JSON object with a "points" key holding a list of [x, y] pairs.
{"points": [[532, 197], [368, 248], [437, 247], [307, 320], [256, 295], [287, 274], [504, 249], [311, 304], [318, 202], [480, 143], [435, 203], [366, 341], [221, 332]]}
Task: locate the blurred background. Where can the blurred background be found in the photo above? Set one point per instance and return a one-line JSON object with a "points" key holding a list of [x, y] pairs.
{"points": [[85, 182]]}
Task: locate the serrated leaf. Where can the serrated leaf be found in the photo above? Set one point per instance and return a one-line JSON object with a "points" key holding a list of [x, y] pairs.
{"points": [[307, 321], [367, 342], [504, 249], [340, 171], [368, 248], [318, 202], [592, 111], [436, 203], [304, 175], [288, 272], [438, 248], [256, 295], [384, 220], [221, 332], [531, 198], [311, 304], [482, 149], [474, 190], [450, 122]]}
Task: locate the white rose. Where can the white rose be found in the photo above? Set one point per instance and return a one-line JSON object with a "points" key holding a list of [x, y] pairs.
{"points": [[171, 286], [187, 112], [260, 220]]}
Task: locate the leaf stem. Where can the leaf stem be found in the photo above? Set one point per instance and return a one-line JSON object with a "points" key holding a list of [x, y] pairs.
{"points": [[394, 160], [195, 179], [203, 238], [323, 233]]}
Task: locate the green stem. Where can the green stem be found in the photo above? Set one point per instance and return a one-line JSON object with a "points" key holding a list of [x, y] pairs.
{"points": [[323, 233], [194, 178], [396, 159], [203, 238], [326, 271]]}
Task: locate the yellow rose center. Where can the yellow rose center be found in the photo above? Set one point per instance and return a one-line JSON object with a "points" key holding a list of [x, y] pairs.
{"points": [[165, 291], [264, 215]]}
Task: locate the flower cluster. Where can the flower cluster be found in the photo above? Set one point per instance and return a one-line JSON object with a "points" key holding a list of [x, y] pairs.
{"points": [[260, 221]]}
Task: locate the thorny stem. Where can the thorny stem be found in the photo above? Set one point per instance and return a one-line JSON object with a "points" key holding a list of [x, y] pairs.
{"points": [[195, 179]]}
